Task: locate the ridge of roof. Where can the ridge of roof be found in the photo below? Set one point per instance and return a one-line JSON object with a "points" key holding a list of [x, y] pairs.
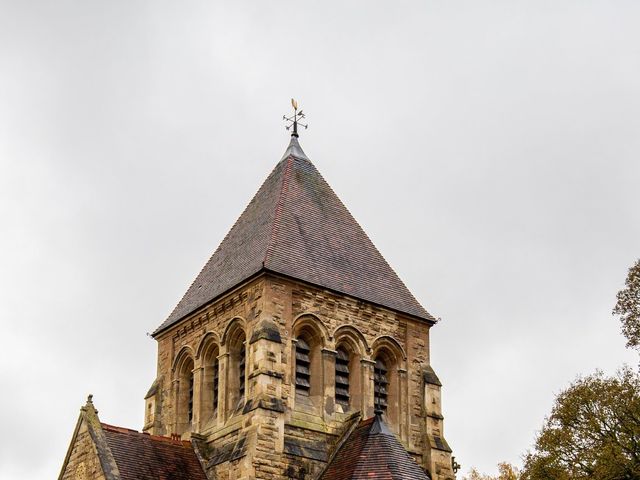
{"points": [[378, 426], [296, 225], [133, 432], [283, 186]]}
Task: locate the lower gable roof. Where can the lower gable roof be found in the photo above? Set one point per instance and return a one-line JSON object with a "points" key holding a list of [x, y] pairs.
{"points": [[141, 456]]}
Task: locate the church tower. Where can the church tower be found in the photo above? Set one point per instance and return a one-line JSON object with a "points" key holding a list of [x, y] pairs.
{"points": [[296, 345]]}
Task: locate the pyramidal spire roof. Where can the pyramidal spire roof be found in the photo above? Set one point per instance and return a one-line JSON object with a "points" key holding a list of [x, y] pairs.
{"points": [[372, 451], [296, 225]]}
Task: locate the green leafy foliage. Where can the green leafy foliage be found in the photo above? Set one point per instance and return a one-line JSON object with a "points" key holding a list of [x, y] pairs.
{"points": [[628, 307], [593, 432]]}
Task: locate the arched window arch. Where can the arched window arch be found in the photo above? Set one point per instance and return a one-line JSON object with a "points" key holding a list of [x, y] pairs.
{"points": [[210, 394], [236, 378], [350, 348], [303, 367], [184, 394], [308, 374], [348, 377], [380, 384], [386, 389]]}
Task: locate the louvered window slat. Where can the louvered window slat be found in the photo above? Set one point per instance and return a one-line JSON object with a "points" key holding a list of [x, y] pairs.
{"points": [[302, 382], [302, 356], [342, 355], [381, 389], [303, 367], [342, 393], [342, 377], [242, 370], [215, 385], [380, 385], [190, 407], [341, 367]]}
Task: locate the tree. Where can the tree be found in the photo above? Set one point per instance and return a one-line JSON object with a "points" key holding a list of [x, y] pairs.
{"points": [[628, 307], [506, 471], [593, 432]]}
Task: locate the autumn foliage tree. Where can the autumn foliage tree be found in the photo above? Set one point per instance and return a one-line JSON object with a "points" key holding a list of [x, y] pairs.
{"points": [[593, 432], [628, 307]]}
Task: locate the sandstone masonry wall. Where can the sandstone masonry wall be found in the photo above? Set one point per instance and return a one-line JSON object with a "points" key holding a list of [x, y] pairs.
{"points": [[275, 434], [83, 463]]}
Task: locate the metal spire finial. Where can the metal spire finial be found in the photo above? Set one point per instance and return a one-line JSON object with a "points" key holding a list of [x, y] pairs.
{"points": [[294, 120]]}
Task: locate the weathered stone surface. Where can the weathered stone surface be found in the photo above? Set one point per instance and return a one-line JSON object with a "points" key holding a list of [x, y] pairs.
{"points": [[273, 430], [83, 462], [267, 330]]}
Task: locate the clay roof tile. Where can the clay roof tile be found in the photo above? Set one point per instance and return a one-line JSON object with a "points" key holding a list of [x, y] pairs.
{"points": [[372, 451], [140, 456], [296, 225]]}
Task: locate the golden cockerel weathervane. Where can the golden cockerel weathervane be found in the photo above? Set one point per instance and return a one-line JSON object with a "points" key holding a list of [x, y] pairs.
{"points": [[294, 120]]}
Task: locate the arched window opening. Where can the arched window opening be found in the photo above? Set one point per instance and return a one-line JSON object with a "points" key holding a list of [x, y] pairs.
{"points": [[387, 388], [303, 367], [349, 390], [184, 385], [307, 374], [381, 384], [190, 406], [207, 404], [216, 378], [236, 370], [241, 370], [342, 378]]}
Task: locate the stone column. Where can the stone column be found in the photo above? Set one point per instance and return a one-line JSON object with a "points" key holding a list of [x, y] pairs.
{"points": [[175, 384], [403, 405], [329, 383], [367, 406], [205, 407], [223, 401], [292, 374], [198, 377]]}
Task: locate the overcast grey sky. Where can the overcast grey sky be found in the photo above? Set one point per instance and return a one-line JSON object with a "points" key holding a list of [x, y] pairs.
{"points": [[489, 148]]}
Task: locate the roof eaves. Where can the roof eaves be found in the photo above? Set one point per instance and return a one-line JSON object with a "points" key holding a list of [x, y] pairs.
{"points": [[429, 319], [163, 328]]}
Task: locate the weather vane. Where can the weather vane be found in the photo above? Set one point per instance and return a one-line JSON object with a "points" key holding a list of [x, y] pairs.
{"points": [[294, 120]]}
